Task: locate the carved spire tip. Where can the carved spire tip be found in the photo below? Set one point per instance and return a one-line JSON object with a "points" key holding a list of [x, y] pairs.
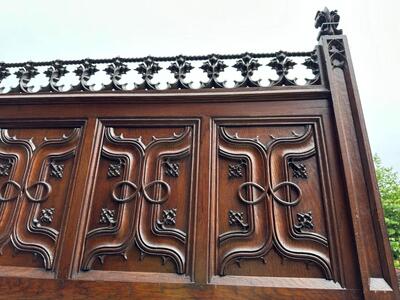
{"points": [[328, 21]]}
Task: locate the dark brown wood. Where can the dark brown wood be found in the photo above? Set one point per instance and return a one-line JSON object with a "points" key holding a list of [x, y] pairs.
{"points": [[249, 193]]}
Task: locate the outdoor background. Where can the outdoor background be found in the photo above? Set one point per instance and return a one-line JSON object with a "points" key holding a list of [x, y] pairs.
{"points": [[47, 30]]}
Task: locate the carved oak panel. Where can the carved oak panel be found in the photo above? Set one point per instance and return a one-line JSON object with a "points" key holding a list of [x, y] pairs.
{"points": [[272, 213], [142, 202], [37, 166]]}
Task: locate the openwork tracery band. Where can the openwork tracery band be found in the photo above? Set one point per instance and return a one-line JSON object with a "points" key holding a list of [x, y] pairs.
{"points": [[149, 68], [272, 191], [144, 189]]}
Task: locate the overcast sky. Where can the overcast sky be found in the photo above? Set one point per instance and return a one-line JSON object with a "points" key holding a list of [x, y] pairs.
{"points": [[47, 30]]}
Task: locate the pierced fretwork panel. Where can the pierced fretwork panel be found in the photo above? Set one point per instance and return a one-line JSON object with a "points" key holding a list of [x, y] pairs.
{"points": [[142, 204], [37, 168], [272, 213]]}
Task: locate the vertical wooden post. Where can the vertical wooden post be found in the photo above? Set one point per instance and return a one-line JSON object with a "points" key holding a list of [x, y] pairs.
{"points": [[374, 255]]}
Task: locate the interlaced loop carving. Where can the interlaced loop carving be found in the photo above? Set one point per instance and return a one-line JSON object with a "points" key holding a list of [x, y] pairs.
{"points": [[163, 198], [3, 188], [143, 189], [290, 184], [271, 191], [251, 184], [127, 198], [36, 185]]}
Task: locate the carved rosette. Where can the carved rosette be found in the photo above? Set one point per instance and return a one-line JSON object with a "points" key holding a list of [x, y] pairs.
{"points": [[45, 217], [168, 217], [5, 167], [57, 170], [304, 221], [107, 217], [299, 170], [171, 168], [115, 168]]}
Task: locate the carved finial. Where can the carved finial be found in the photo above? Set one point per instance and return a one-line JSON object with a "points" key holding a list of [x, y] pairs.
{"points": [[328, 22]]}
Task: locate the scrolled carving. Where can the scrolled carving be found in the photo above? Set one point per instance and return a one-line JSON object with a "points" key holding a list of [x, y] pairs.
{"points": [[282, 64], [25, 74], [213, 67], [4, 73], [246, 66], [312, 63], [328, 22], [85, 70], [115, 70], [147, 69], [180, 68], [54, 73]]}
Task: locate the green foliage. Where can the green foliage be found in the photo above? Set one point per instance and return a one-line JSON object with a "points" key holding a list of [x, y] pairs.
{"points": [[389, 187]]}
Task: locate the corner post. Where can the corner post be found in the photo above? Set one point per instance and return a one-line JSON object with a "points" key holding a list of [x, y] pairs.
{"points": [[375, 261]]}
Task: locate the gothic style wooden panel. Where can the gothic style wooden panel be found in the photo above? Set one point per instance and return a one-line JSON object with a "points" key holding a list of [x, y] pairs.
{"points": [[141, 216], [38, 164], [212, 189], [261, 209]]}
